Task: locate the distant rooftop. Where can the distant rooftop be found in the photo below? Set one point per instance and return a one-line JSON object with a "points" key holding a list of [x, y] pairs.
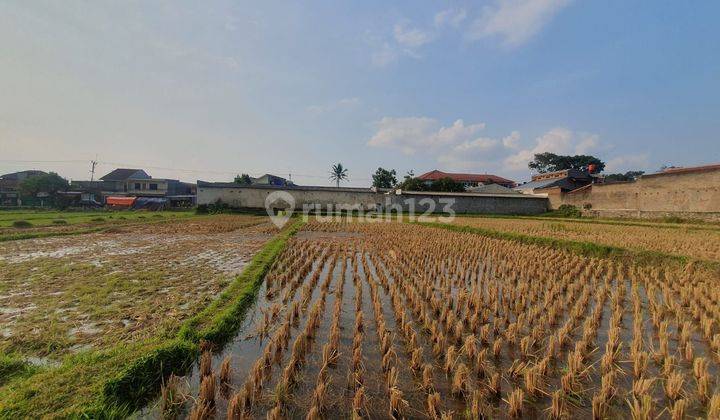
{"points": [[122, 174], [460, 177]]}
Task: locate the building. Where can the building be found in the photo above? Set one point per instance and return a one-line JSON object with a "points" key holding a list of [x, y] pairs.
{"points": [[468, 180], [692, 193], [565, 180], [136, 183], [269, 179], [9, 186]]}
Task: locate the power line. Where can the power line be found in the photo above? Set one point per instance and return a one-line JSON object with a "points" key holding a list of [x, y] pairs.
{"points": [[94, 163]]}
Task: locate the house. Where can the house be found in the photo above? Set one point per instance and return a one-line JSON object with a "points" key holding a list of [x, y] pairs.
{"points": [[119, 179], [565, 180], [9, 186], [468, 180], [137, 183]]}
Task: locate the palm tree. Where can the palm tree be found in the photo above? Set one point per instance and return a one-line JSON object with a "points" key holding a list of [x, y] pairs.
{"points": [[338, 173]]}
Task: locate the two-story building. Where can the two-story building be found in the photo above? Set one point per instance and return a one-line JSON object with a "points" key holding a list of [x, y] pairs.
{"points": [[9, 186], [137, 183]]}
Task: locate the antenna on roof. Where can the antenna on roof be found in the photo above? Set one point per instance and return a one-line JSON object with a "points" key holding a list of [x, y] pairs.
{"points": [[93, 163]]}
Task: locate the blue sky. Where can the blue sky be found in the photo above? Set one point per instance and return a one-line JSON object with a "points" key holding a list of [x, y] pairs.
{"points": [[202, 90]]}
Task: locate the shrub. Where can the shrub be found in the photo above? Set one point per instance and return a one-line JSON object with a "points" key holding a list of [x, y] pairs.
{"points": [[568, 210], [22, 224]]}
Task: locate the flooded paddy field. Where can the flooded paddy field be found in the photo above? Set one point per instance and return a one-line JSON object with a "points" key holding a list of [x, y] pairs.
{"points": [[392, 320], [66, 294]]}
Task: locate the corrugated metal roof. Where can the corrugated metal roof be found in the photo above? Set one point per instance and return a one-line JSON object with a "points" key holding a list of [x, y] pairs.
{"points": [[544, 183]]}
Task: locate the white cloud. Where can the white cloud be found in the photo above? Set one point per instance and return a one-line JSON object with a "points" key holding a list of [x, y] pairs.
{"points": [[385, 56], [515, 22], [345, 103], [511, 141], [410, 134], [588, 143], [410, 37], [450, 17], [559, 140], [627, 163]]}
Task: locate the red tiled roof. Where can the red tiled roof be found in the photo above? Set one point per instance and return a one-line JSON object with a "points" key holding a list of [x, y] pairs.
{"points": [[483, 178]]}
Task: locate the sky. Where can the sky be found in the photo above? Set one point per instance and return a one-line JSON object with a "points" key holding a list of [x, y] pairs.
{"points": [[206, 90]]}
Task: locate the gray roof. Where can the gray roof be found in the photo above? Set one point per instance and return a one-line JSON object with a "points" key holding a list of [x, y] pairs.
{"points": [[539, 184], [492, 189], [121, 174]]}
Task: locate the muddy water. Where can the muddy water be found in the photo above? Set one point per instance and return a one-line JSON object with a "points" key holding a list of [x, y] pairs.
{"points": [[247, 347]]}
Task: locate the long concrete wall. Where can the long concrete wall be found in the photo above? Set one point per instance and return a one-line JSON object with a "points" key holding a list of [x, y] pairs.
{"points": [[691, 194], [254, 197], [469, 203]]}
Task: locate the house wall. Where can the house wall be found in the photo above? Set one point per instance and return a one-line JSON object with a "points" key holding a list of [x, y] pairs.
{"points": [[690, 194], [162, 186], [254, 198]]}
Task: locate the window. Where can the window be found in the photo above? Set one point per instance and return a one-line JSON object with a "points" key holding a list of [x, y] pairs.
{"points": [[153, 187], [137, 185]]}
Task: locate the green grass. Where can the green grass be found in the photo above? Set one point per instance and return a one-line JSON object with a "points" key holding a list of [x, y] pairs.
{"points": [[48, 218], [96, 225], [114, 383], [586, 249]]}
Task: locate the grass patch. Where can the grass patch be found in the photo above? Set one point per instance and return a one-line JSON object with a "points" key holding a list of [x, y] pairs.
{"points": [[116, 382], [22, 224], [12, 367], [59, 222]]}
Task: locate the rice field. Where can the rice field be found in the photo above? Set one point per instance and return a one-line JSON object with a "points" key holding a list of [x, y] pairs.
{"points": [[700, 242], [68, 294], [392, 320]]}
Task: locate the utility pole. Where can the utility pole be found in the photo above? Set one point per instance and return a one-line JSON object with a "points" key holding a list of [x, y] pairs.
{"points": [[93, 163]]}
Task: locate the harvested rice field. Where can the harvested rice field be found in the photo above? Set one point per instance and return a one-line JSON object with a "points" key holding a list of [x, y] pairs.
{"points": [[694, 241], [393, 320], [67, 294]]}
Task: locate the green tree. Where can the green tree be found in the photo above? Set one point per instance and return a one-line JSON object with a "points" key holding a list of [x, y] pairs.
{"points": [[550, 162], [411, 183], [447, 185], [243, 179], [627, 176], [382, 178], [338, 173], [50, 183]]}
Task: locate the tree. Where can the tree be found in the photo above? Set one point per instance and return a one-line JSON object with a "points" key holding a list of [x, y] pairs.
{"points": [[338, 173], [550, 162], [441, 185], [243, 179], [411, 183], [382, 178], [447, 184], [627, 176], [49, 183]]}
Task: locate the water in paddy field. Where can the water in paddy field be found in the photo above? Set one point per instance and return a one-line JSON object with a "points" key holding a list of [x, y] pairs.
{"points": [[367, 272]]}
